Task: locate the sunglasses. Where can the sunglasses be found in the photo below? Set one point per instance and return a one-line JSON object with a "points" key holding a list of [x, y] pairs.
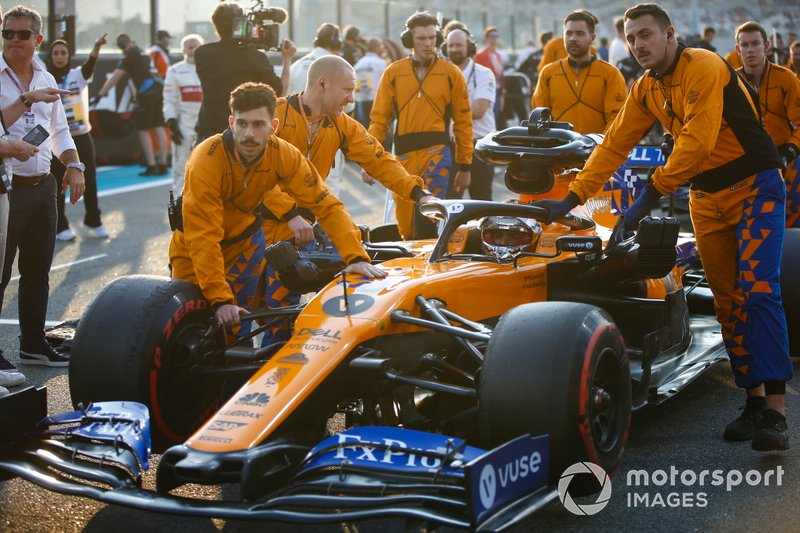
{"points": [[24, 35]]}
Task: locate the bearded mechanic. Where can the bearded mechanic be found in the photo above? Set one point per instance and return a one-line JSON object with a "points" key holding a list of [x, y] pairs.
{"points": [[737, 203], [425, 93], [221, 246]]}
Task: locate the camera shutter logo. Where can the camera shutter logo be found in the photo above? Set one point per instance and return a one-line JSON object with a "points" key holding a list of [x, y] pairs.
{"points": [[589, 508]]}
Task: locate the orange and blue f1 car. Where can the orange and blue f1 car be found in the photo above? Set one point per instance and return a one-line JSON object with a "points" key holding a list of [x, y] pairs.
{"points": [[456, 390]]}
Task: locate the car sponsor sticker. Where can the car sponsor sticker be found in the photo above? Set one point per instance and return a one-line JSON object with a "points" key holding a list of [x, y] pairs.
{"points": [[507, 473]]}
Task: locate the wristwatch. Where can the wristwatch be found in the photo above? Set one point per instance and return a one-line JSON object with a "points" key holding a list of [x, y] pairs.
{"points": [[80, 166], [27, 103]]}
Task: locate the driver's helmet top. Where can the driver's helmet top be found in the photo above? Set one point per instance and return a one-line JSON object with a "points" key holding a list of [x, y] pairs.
{"points": [[505, 237]]}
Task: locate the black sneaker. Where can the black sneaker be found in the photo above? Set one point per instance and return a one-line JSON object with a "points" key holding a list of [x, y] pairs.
{"points": [[773, 433], [5, 364], [45, 355], [745, 427]]}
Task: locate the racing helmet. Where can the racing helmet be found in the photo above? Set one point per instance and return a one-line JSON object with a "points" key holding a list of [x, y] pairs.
{"points": [[506, 237]]}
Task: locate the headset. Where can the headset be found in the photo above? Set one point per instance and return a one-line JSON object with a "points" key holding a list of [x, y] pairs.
{"points": [[420, 18], [472, 44], [328, 37]]}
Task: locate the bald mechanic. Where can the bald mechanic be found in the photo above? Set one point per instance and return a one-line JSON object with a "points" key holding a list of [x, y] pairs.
{"points": [[779, 95], [424, 93], [221, 247], [737, 203], [314, 122], [581, 89]]}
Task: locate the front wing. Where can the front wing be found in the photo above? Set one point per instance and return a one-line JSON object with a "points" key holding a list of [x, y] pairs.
{"points": [[367, 472]]}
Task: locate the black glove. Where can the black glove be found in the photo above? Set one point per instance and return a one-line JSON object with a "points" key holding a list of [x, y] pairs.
{"points": [[639, 209], [667, 145], [788, 153], [558, 208], [175, 131]]}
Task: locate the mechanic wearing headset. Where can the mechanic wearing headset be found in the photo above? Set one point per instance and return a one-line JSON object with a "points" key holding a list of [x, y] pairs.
{"points": [[779, 95], [314, 122], [737, 203], [580, 88], [424, 94], [221, 246], [459, 48]]}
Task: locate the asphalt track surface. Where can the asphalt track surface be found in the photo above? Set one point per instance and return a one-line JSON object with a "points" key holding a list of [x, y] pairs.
{"points": [[684, 433]]}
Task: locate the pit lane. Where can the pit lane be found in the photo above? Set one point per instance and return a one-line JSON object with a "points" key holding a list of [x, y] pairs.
{"points": [[685, 432]]}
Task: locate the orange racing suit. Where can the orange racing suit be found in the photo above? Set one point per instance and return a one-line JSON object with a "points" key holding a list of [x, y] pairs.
{"points": [[736, 203], [221, 245], [589, 101], [423, 109], [779, 96]]}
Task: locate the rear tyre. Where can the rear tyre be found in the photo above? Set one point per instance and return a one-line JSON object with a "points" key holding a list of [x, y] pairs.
{"points": [[790, 287], [134, 343], [558, 368]]}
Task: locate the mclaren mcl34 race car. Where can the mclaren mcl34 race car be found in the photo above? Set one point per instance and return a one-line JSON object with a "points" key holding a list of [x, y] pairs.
{"points": [[455, 391]]}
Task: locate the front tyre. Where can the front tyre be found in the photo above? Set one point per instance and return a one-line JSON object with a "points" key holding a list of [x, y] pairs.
{"points": [[137, 341], [561, 369]]}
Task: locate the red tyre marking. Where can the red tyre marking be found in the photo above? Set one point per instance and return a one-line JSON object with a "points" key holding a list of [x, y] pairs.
{"points": [[583, 396]]}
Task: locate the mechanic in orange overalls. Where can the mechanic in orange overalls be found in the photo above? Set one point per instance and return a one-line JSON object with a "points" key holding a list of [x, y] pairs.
{"points": [[424, 93], [221, 247], [779, 95], [581, 89], [314, 123], [737, 203], [555, 49]]}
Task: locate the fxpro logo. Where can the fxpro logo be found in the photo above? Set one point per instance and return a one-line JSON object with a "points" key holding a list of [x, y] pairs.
{"points": [[586, 509]]}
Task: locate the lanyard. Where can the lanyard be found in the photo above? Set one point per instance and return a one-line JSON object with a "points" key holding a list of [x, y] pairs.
{"points": [[310, 136], [15, 82]]}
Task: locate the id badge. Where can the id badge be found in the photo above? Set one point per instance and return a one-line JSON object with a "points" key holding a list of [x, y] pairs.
{"points": [[28, 120]]}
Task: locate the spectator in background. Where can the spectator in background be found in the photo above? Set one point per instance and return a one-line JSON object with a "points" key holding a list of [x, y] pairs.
{"points": [[326, 42], [159, 53], [76, 107], [794, 58], [32, 203], [459, 47], [353, 47], [490, 57], [147, 115], [183, 97], [224, 65], [530, 65], [602, 51], [708, 37], [369, 70], [619, 46]]}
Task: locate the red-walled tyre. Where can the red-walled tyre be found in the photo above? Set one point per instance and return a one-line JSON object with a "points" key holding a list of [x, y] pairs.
{"points": [[134, 342], [561, 369]]}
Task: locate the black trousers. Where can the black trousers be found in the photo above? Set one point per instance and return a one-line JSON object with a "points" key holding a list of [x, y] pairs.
{"points": [[32, 231], [85, 145], [481, 178]]}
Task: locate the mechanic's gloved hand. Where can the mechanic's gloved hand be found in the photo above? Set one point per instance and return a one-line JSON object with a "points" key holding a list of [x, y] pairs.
{"points": [[619, 233], [175, 131], [639, 209], [788, 153], [558, 208]]}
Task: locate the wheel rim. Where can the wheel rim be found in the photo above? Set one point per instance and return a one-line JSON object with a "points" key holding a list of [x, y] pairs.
{"points": [[184, 399], [606, 408]]}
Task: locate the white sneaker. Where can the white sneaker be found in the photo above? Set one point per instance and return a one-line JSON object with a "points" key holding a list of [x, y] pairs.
{"points": [[3, 392], [99, 232], [66, 235], [11, 378]]}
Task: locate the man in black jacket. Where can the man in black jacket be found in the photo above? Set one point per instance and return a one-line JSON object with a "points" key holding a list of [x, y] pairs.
{"points": [[224, 65]]}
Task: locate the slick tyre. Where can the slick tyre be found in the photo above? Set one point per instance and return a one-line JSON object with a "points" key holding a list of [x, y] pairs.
{"points": [[561, 369], [790, 287], [134, 343]]}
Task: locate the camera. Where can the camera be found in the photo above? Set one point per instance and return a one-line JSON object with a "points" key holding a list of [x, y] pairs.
{"points": [[259, 27]]}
